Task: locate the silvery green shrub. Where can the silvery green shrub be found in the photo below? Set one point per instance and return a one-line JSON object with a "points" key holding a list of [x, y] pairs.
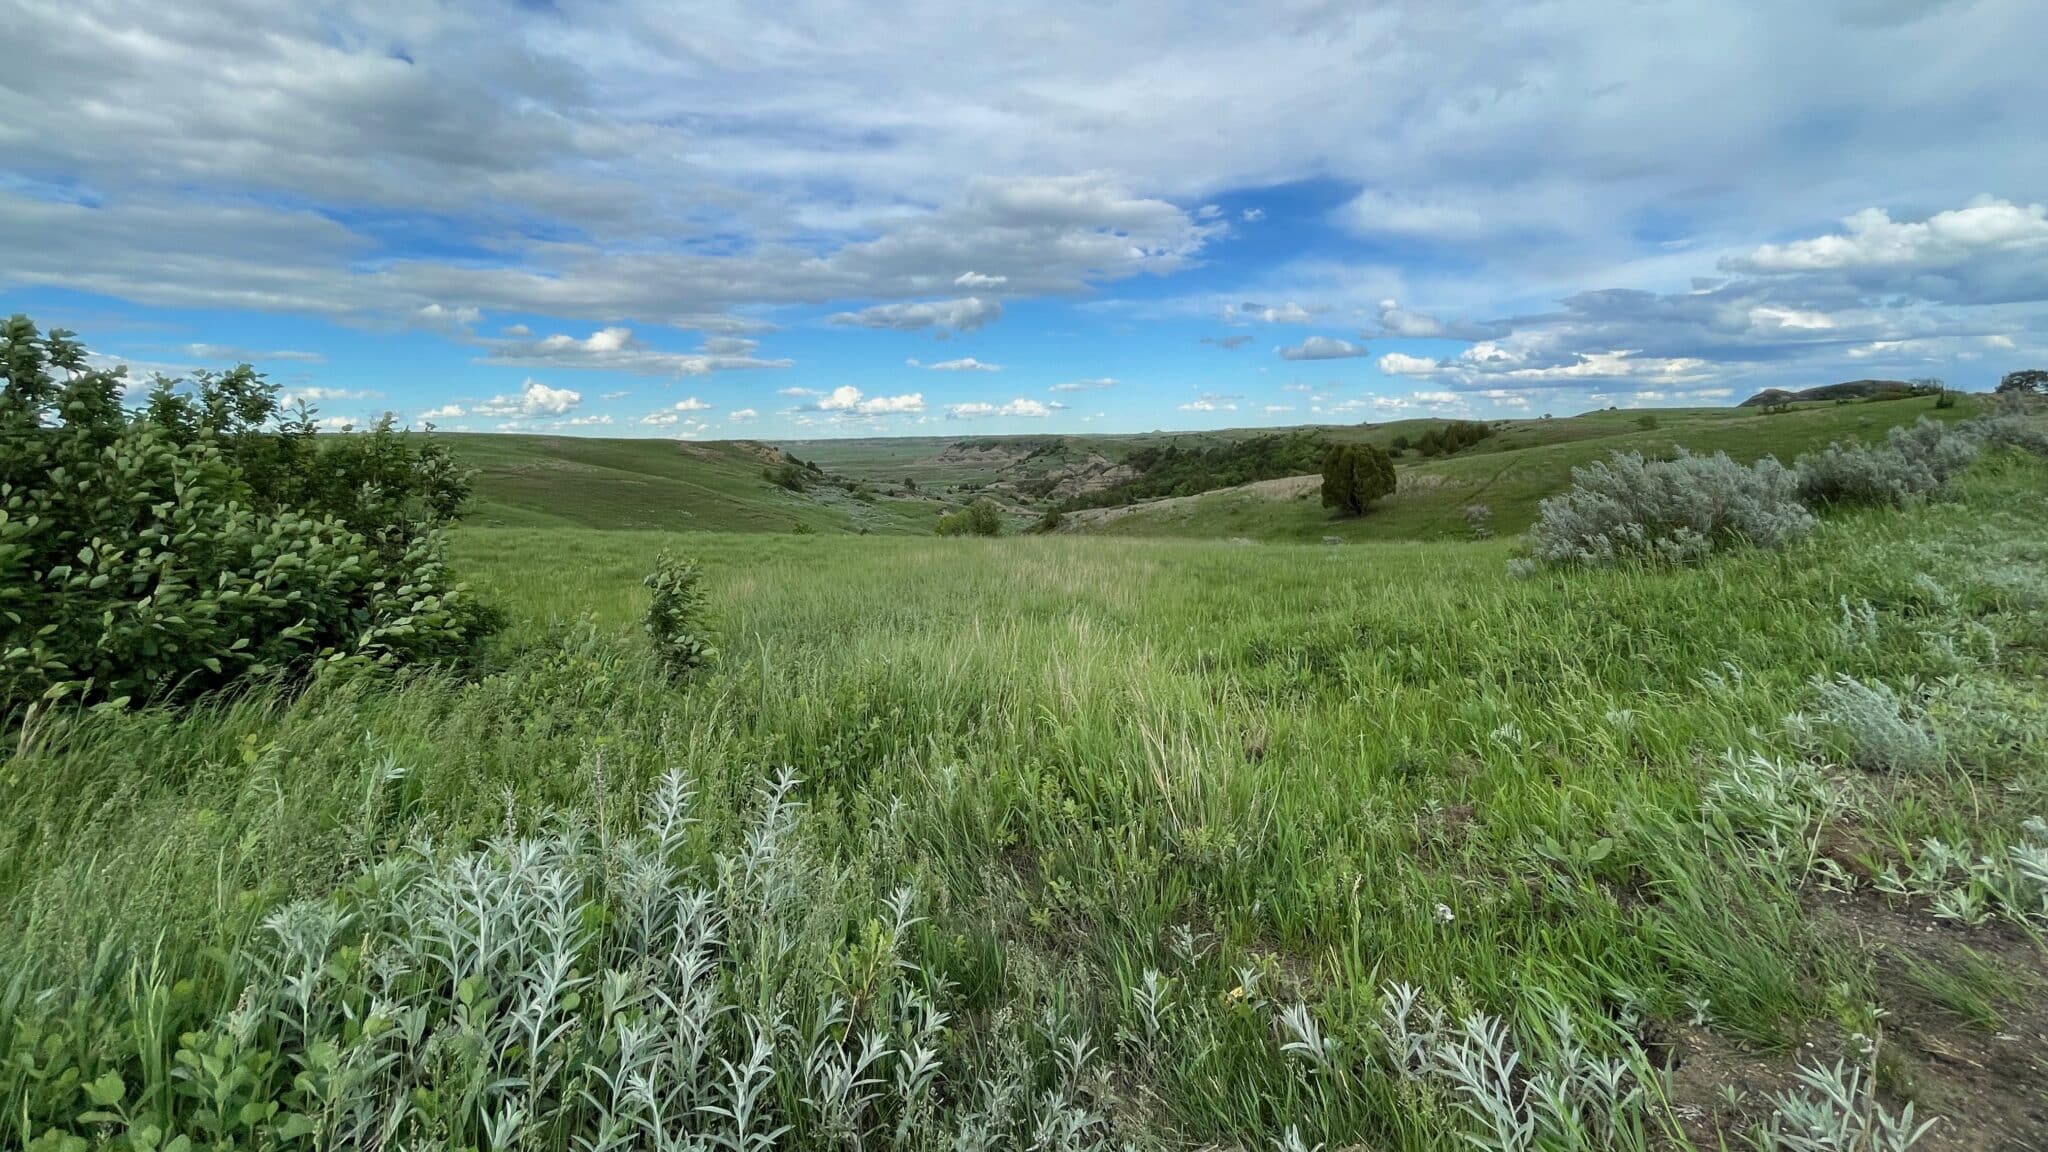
{"points": [[1868, 726], [1677, 511], [1912, 463], [165, 551]]}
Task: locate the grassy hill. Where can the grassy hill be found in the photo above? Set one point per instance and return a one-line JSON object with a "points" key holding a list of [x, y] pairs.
{"points": [[1510, 473], [580, 482]]}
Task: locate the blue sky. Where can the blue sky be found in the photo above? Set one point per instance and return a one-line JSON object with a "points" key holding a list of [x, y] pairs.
{"points": [[805, 219]]}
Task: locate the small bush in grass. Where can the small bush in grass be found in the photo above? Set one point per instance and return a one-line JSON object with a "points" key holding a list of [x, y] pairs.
{"points": [[1479, 519], [1676, 510], [981, 518], [1867, 726], [1912, 463], [676, 616]]}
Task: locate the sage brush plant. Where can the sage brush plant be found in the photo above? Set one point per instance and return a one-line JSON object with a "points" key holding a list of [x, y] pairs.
{"points": [[1910, 464], [1674, 511]]}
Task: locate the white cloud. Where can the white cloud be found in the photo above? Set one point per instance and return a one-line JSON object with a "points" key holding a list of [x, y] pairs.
{"points": [[239, 355], [1872, 239], [1094, 385], [848, 401], [618, 395], [1402, 364], [617, 349], [977, 280], [963, 315], [444, 412], [533, 399], [1277, 409], [1288, 313], [1021, 406], [1228, 343], [692, 404], [742, 415], [1212, 402], [315, 394], [1253, 215], [1322, 348], [964, 364]]}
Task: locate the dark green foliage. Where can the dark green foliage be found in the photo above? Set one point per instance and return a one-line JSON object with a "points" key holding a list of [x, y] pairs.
{"points": [[171, 550], [676, 614], [1355, 475], [1050, 522], [981, 518], [1456, 435], [2027, 381], [1946, 398], [1647, 421], [790, 474], [1170, 470]]}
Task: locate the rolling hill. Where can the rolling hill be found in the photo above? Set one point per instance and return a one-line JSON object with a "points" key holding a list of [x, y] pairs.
{"points": [[902, 485]]}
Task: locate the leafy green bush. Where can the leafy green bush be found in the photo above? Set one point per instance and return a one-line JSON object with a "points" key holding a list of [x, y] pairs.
{"points": [[1676, 510], [675, 616], [167, 551], [981, 518], [1355, 475]]}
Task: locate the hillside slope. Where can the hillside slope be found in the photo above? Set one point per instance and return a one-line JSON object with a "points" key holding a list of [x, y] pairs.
{"points": [[1509, 473], [579, 482]]}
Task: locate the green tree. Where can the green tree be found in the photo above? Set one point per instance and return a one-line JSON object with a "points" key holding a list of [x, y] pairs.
{"points": [[981, 518], [1355, 475]]}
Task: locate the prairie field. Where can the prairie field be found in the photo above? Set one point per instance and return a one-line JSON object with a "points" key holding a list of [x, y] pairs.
{"points": [[1077, 841]]}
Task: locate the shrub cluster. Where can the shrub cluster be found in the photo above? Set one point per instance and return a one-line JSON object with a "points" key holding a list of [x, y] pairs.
{"points": [[1910, 464], [166, 551], [981, 518], [1683, 509], [1456, 435], [1673, 510], [1170, 470], [676, 616], [1355, 475]]}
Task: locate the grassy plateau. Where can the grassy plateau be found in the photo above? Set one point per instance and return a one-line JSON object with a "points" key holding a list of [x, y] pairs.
{"points": [[1079, 842]]}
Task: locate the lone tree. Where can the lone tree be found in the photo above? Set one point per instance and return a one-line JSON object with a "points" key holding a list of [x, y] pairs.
{"points": [[1355, 475], [2025, 382]]}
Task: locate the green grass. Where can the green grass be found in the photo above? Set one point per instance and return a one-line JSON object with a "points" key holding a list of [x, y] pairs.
{"points": [[1330, 769], [582, 482], [1511, 472]]}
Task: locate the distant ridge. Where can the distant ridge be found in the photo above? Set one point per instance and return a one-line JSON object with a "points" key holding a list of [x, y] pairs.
{"points": [[1846, 390]]}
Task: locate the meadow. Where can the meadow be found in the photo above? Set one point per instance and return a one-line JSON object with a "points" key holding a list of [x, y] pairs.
{"points": [[1081, 842]]}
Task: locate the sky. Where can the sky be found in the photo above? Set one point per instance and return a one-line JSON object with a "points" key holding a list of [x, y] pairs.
{"points": [[820, 218]]}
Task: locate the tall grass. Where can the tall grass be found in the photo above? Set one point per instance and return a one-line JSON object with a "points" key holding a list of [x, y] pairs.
{"points": [[1038, 841]]}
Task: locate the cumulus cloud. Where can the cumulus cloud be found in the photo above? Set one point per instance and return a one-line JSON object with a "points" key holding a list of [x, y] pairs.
{"points": [[963, 315], [975, 410], [1322, 348], [964, 364], [1212, 402], [616, 349], [849, 401], [1872, 239], [444, 412], [240, 355], [692, 404], [978, 280], [533, 399], [742, 415], [1094, 385]]}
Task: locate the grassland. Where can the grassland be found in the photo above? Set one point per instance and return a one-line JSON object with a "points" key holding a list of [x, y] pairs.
{"points": [[579, 482], [1103, 841], [570, 481], [1510, 472]]}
